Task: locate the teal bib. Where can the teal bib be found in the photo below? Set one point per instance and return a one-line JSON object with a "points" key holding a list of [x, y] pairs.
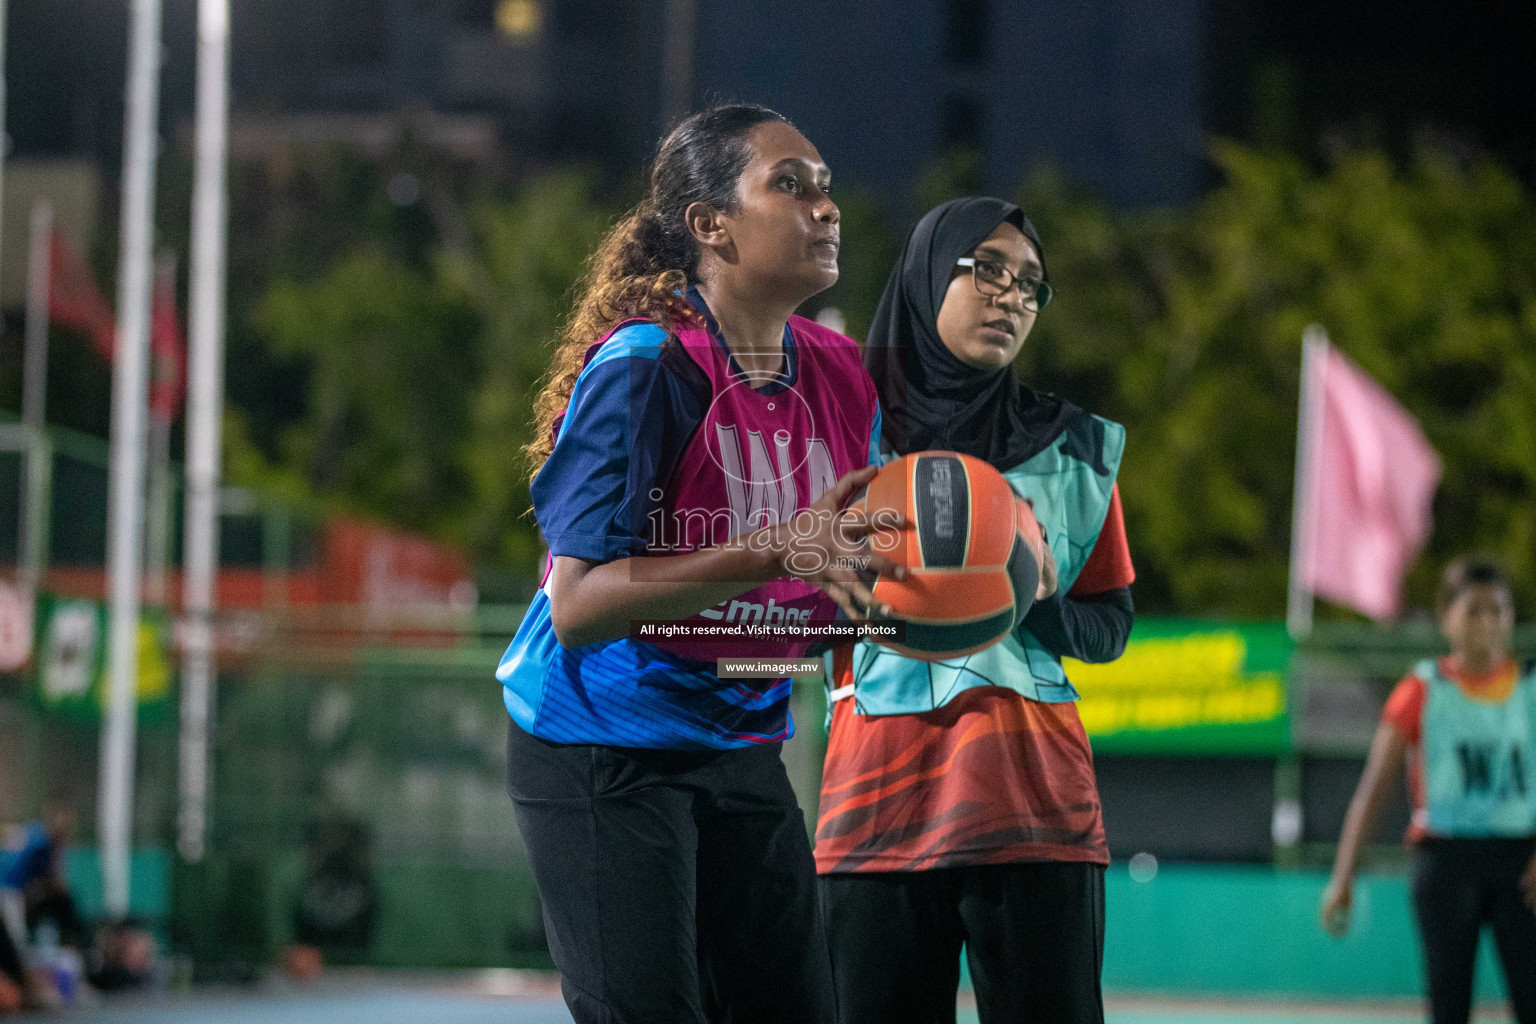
{"points": [[1479, 774], [1070, 484]]}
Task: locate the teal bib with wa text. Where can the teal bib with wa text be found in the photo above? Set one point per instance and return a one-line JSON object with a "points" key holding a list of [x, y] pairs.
{"points": [[1479, 773]]}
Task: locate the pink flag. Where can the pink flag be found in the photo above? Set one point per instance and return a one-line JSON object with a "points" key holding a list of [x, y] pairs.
{"points": [[1369, 476]]}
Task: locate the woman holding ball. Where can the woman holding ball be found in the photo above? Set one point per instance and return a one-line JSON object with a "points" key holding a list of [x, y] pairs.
{"points": [[689, 421], [958, 801], [1465, 727]]}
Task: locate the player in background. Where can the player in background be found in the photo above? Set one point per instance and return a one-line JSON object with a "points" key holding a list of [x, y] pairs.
{"points": [[687, 408], [1465, 728], [974, 818]]}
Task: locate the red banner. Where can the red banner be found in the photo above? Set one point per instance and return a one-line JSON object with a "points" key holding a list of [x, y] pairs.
{"points": [[378, 568]]}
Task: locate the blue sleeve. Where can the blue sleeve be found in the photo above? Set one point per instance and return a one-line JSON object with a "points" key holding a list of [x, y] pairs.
{"points": [[33, 861], [630, 415], [874, 438]]}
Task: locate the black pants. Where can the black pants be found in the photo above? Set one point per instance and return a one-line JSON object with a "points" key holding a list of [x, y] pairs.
{"points": [[1458, 886], [10, 959], [678, 886], [1033, 937], [48, 900]]}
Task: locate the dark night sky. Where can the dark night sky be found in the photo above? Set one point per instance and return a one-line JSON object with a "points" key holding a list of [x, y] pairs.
{"points": [[1380, 70], [1292, 71]]}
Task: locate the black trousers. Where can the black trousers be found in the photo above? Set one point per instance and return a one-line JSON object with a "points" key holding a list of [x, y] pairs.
{"points": [[678, 886], [1033, 937], [48, 900], [1458, 886], [10, 958]]}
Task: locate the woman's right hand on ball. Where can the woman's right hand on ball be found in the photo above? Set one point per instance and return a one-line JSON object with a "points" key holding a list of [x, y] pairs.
{"points": [[827, 545]]}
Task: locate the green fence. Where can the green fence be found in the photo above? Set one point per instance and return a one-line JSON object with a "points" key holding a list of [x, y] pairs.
{"points": [[395, 729], [406, 745]]}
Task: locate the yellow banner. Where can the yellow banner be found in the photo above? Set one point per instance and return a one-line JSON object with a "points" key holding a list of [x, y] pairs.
{"points": [[1189, 678]]}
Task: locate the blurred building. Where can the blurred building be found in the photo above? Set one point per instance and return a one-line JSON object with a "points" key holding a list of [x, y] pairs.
{"points": [[1118, 95], [1110, 93]]}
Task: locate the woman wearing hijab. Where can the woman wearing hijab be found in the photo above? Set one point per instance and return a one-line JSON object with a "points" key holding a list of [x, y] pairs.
{"points": [[958, 801]]}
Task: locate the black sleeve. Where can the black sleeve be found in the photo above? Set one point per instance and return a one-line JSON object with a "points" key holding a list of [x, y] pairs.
{"points": [[1092, 628]]}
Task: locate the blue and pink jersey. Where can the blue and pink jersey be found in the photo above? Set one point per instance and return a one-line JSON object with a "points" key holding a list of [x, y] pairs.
{"points": [[666, 447]]}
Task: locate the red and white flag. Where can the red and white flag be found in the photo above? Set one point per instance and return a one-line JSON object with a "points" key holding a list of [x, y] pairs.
{"points": [[74, 300], [167, 347], [1366, 478]]}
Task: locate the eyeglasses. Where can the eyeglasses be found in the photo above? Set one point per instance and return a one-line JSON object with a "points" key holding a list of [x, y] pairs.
{"points": [[993, 279]]}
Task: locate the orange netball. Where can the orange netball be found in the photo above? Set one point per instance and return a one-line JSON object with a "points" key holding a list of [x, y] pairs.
{"points": [[971, 548]]}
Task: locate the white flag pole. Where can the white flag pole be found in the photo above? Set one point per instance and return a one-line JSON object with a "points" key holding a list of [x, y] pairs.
{"points": [[1309, 425], [34, 374], [205, 400], [4, 140], [126, 484], [34, 389]]}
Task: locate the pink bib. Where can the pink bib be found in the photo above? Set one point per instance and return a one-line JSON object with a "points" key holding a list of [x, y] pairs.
{"points": [[755, 460]]}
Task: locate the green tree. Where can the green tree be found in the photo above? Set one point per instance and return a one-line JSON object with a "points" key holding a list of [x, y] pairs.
{"points": [[1188, 329], [392, 362], [518, 277], [419, 365], [419, 375]]}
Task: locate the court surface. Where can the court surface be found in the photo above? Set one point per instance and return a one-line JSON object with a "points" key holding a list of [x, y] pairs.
{"points": [[511, 997]]}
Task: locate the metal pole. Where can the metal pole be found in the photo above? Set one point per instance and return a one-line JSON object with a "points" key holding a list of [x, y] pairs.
{"points": [[157, 528], [126, 485], [678, 54], [1309, 425], [34, 386], [205, 400], [5, 142], [34, 376]]}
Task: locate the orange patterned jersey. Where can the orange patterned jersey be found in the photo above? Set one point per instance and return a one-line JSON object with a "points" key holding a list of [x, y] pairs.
{"points": [[989, 778]]}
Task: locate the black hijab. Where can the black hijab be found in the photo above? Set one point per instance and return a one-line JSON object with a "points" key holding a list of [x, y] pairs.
{"points": [[929, 399]]}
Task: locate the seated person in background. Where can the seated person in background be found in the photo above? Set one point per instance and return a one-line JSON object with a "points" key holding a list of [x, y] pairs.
{"points": [[124, 957], [13, 976], [37, 873], [337, 908]]}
